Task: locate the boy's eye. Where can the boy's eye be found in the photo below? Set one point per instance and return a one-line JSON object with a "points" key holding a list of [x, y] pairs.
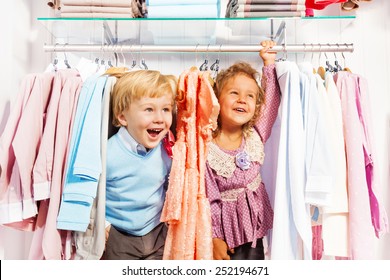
{"points": [[167, 110], [149, 110], [234, 92]]}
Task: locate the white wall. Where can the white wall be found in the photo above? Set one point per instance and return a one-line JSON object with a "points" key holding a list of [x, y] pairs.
{"points": [[21, 53]]}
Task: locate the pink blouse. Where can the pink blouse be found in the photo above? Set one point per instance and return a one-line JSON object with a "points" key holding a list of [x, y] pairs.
{"points": [[240, 208]]}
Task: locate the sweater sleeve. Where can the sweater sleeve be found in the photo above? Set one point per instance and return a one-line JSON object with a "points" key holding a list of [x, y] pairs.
{"points": [[269, 110]]}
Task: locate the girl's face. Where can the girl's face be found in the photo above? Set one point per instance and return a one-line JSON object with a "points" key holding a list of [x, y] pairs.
{"points": [[148, 119], [238, 101]]}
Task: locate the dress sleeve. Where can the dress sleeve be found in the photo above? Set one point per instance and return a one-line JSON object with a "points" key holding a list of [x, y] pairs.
{"points": [[214, 197], [269, 110]]}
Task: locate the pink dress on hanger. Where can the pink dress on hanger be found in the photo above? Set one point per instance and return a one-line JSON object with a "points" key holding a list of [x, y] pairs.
{"points": [[186, 207], [361, 231]]}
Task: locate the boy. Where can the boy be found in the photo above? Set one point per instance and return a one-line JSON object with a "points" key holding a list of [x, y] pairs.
{"points": [[138, 165]]}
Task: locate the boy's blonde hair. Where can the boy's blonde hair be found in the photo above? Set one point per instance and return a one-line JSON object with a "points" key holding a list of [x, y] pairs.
{"points": [[135, 85], [240, 68]]}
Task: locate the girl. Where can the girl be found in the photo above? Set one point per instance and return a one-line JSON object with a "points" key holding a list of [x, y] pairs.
{"points": [[240, 208]]}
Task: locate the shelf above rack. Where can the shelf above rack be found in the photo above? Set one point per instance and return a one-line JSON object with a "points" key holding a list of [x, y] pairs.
{"points": [[198, 19]]}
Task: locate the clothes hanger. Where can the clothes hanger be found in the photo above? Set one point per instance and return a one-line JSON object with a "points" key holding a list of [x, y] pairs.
{"points": [[312, 56], [304, 52], [215, 66], [336, 63], [143, 64], [119, 69], [204, 66], [320, 70], [193, 68], [135, 66], [284, 57], [329, 67], [55, 60], [66, 59], [345, 67]]}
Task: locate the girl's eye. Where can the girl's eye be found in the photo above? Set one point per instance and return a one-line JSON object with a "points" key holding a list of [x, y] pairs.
{"points": [[167, 110], [251, 95], [234, 92], [149, 110]]}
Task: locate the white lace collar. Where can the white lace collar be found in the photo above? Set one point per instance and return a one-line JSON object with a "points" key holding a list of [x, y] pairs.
{"points": [[225, 164]]}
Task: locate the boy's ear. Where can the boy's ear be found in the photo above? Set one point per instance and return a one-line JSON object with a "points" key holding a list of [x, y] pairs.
{"points": [[122, 119]]}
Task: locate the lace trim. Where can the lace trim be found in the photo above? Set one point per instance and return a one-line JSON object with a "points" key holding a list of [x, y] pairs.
{"points": [[232, 195], [225, 164]]}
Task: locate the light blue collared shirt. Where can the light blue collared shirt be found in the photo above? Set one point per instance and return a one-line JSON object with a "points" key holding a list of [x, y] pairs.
{"points": [[129, 141]]}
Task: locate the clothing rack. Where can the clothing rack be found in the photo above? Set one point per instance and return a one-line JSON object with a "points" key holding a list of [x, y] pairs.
{"points": [[195, 48]]}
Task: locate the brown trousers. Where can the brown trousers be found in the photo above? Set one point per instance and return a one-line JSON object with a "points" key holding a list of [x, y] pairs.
{"points": [[124, 246]]}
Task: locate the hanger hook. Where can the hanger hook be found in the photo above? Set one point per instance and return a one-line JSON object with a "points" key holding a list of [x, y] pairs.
{"points": [[143, 64], [134, 60], [320, 55], [196, 54], [55, 60], [204, 66], [123, 56], [312, 52], [284, 52], [65, 58]]}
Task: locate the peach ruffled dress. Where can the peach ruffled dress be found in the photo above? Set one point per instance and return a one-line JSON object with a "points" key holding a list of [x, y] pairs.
{"points": [[186, 208]]}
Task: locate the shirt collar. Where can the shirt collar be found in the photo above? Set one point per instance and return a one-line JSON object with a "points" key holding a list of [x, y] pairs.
{"points": [[128, 140]]}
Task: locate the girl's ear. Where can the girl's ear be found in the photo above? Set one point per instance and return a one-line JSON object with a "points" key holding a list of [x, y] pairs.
{"points": [[122, 120]]}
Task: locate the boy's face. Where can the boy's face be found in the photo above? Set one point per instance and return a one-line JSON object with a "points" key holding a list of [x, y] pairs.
{"points": [[148, 119]]}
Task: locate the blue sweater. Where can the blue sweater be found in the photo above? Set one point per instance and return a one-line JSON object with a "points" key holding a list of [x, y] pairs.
{"points": [[136, 185]]}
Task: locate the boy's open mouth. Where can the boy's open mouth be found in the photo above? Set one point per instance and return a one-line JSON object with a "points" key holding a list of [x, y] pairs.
{"points": [[154, 132]]}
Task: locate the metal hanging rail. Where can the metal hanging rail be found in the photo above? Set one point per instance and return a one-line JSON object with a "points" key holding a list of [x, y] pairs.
{"points": [[195, 48]]}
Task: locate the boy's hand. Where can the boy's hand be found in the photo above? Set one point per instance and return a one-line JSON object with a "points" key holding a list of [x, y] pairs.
{"points": [[266, 54]]}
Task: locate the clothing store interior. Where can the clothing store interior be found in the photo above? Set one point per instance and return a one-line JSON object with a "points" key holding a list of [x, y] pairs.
{"points": [[326, 171]]}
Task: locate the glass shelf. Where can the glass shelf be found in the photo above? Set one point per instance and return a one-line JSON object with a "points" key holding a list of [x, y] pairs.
{"points": [[198, 19], [185, 31]]}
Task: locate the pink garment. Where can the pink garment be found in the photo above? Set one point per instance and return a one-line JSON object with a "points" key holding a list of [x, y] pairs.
{"points": [[10, 203], [67, 84], [95, 15], [309, 13], [248, 216], [361, 232], [43, 165], [101, 3], [318, 243], [31, 126], [378, 213], [25, 152], [321, 4], [54, 240], [93, 9], [186, 207]]}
